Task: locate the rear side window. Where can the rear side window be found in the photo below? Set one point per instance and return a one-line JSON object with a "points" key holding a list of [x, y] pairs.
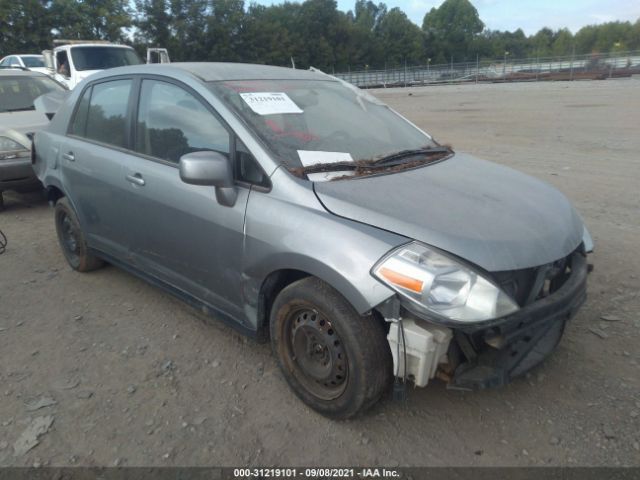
{"points": [[107, 113], [172, 122]]}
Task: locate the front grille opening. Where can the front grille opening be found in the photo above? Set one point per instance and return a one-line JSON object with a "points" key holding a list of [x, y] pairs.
{"points": [[531, 284]]}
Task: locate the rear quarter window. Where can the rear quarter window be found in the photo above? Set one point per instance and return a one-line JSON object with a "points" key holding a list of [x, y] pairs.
{"points": [[79, 121]]}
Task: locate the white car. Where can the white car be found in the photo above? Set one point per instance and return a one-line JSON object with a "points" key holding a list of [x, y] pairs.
{"points": [[30, 61], [71, 61]]}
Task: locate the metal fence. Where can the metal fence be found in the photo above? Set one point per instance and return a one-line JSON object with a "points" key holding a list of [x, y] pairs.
{"points": [[579, 67]]}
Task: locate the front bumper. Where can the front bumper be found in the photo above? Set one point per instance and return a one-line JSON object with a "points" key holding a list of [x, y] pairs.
{"points": [[492, 354], [17, 174]]}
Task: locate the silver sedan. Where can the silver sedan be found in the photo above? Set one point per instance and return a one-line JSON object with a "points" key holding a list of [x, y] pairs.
{"points": [[18, 122]]}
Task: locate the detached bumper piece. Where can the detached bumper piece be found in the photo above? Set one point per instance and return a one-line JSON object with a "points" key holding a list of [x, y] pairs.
{"points": [[494, 354]]}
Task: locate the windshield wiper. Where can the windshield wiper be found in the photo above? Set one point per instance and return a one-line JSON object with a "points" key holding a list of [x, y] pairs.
{"points": [[21, 109], [386, 162], [391, 158]]}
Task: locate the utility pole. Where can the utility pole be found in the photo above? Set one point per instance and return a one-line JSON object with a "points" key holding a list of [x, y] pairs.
{"points": [[405, 72], [572, 57], [504, 65], [451, 70]]}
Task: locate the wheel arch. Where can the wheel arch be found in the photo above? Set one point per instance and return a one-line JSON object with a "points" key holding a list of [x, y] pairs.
{"points": [[54, 193], [363, 298]]}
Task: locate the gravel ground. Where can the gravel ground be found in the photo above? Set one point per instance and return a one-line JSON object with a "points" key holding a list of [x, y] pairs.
{"points": [[103, 369]]}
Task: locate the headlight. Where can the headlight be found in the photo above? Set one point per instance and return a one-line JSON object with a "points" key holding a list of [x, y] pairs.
{"points": [[437, 284], [10, 148]]}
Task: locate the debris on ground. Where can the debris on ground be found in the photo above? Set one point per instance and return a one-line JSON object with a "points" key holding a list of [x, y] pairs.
{"points": [[30, 437], [608, 432], [38, 403], [67, 383], [599, 333]]}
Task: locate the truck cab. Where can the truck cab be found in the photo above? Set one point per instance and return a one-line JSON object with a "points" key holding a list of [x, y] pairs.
{"points": [[71, 61]]}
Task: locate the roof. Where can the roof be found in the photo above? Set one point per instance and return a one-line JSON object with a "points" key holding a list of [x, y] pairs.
{"points": [[90, 44], [211, 72]]}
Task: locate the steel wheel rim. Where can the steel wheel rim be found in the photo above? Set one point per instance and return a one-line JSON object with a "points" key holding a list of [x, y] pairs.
{"points": [[69, 236], [316, 353]]}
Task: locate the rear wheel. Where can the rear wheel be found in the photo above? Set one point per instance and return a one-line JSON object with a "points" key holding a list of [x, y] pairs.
{"points": [[335, 360], [72, 240]]}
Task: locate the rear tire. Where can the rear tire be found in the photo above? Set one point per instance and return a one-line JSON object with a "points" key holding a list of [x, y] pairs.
{"points": [[337, 361], [72, 240]]}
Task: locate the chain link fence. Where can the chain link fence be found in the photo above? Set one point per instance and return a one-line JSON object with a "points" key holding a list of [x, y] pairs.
{"points": [[579, 67]]}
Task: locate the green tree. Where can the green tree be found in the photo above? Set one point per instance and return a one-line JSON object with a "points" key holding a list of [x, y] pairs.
{"points": [[454, 25], [154, 23], [270, 36], [95, 20], [542, 42], [224, 22], [562, 43], [189, 27], [25, 26], [402, 39]]}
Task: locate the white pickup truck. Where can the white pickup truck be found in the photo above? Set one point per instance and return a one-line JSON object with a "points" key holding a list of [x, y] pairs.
{"points": [[71, 61]]}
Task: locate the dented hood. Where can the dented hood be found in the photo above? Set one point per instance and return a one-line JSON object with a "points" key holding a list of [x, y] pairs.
{"points": [[488, 214]]}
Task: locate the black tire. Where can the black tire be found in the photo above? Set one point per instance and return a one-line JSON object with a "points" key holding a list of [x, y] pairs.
{"points": [[338, 362], [1, 201], [71, 239]]}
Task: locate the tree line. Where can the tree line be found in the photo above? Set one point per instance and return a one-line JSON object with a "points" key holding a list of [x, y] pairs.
{"points": [[311, 32]]}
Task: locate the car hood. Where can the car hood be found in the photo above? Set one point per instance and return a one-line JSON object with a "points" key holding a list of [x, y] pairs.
{"points": [[488, 214], [24, 122]]}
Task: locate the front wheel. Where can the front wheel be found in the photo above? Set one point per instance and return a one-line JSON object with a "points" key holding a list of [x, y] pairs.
{"points": [[71, 239], [336, 361]]}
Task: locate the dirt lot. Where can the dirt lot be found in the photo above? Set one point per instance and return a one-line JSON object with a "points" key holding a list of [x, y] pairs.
{"points": [[135, 377]]}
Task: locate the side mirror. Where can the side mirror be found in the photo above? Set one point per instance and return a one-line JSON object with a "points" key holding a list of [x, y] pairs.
{"points": [[157, 55], [210, 168]]}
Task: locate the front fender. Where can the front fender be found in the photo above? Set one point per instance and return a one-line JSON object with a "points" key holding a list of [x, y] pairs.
{"points": [[301, 235], [363, 292]]}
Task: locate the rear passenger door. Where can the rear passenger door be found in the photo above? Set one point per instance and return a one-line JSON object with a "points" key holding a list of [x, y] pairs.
{"points": [[91, 159], [179, 232]]}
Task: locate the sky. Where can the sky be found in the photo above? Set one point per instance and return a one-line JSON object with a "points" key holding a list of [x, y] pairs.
{"points": [[530, 15]]}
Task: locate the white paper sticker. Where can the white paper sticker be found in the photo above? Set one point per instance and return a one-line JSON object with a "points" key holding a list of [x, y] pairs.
{"points": [[270, 103], [309, 157]]}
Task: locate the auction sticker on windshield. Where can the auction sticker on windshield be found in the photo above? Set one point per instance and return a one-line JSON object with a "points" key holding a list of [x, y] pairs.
{"points": [[270, 103]]}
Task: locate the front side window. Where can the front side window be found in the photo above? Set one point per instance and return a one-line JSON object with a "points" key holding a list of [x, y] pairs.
{"points": [[107, 114], [172, 122], [63, 64]]}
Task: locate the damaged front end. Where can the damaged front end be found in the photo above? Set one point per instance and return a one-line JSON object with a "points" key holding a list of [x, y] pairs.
{"points": [[472, 355]]}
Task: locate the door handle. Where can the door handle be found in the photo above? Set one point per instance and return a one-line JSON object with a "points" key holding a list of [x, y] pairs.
{"points": [[69, 156], [136, 179]]}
